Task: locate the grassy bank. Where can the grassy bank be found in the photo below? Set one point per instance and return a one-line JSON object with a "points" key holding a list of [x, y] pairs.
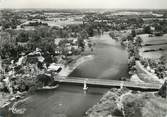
{"points": [[144, 105], [126, 103], [145, 75], [107, 106]]}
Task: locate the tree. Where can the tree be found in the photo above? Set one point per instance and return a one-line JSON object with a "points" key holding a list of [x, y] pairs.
{"points": [[112, 35], [163, 90], [41, 38], [130, 38], [160, 71], [44, 79], [133, 33], [138, 41], [147, 30], [8, 46], [89, 30], [163, 60], [81, 36], [9, 19], [23, 36]]}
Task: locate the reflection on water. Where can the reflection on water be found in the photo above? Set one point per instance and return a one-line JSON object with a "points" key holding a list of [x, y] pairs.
{"points": [[110, 62], [66, 101]]}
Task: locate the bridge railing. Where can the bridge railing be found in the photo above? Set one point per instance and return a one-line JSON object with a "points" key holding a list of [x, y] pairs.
{"points": [[107, 82]]}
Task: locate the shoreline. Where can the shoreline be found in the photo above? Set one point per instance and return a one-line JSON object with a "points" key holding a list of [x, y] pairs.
{"points": [[113, 100], [109, 105], [121, 102], [4, 100], [66, 70], [16, 110], [145, 75], [8, 98]]}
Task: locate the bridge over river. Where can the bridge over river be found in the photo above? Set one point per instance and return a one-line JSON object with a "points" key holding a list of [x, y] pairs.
{"points": [[108, 83]]}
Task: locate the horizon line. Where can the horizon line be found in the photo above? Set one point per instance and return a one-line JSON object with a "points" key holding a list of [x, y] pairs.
{"points": [[94, 8]]}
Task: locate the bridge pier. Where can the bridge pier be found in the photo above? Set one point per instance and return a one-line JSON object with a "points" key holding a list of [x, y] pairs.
{"points": [[107, 83], [85, 85]]}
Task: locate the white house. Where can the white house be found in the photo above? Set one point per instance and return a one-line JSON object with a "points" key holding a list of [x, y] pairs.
{"points": [[57, 40], [55, 67]]}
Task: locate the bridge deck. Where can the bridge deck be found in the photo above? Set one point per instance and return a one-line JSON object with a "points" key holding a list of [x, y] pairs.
{"points": [[108, 83]]}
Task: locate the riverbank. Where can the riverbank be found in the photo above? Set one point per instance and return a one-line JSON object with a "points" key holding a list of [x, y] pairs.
{"points": [[126, 103], [145, 75], [66, 70], [15, 107], [107, 106], [6, 98], [152, 54]]}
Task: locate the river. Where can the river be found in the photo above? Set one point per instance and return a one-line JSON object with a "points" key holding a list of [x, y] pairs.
{"points": [[110, 62]]}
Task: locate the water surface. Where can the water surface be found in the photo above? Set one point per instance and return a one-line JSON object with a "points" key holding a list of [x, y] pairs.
{"points": [[110, 62]]}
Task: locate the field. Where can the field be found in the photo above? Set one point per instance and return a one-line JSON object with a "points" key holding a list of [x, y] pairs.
{"points": [[154, 47], [154, 40]]}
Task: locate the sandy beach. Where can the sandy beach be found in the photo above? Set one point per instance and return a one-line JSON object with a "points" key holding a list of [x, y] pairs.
{"points": [[66, 70]]}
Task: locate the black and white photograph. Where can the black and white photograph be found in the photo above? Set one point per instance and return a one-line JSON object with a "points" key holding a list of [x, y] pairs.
{"points": [[83, 58]]}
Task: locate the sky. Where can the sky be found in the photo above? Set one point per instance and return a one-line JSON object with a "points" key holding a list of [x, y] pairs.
{"points": [[111, 4]]}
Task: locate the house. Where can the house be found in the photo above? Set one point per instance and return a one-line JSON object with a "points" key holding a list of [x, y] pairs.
{"points": [[23, 44], [75, 47], [21, 60], [68, 48], [19, 27], [35, 56], [86, 42], [152, 28], [36, 52], [58, 51], [28, 27], [55, 67], [139, 30], [73, 40], [57, 40]]}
